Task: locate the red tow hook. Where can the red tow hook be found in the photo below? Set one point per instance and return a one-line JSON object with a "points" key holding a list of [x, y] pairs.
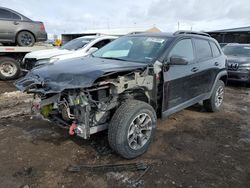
{"points": [[72, 129]]}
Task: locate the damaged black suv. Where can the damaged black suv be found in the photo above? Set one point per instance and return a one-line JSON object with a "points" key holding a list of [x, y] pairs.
{"points": [[126, 85]]}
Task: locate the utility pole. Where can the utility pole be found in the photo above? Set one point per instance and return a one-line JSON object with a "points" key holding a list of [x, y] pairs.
{"points": [[178, 26], [108, 26]]}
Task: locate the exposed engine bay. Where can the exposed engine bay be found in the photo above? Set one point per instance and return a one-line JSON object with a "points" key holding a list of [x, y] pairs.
{"points": [[86, 111]]}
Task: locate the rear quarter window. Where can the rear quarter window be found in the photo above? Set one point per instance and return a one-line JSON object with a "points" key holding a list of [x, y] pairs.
{"points": [[215, 49], [15, 16], [203, 49]]}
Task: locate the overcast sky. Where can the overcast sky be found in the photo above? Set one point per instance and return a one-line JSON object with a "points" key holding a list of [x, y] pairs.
{"points": [[64, 16]]}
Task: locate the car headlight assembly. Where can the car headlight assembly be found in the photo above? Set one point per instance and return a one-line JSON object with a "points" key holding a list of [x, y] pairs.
{"points": [[53, 60], [245, 66], [42, 62], [46, 61]]}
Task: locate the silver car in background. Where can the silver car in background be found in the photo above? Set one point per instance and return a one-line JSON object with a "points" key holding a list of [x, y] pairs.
{"points": [[18, 29]]}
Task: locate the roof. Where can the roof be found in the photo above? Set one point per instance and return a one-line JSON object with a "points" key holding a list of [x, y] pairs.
{"points": [[161, 34], [238, 29], [237, 44], [176, 34], [97, 36], [117, 31], [21, 15]]}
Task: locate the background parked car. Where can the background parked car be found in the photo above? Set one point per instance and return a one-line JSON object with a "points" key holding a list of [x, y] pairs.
{"points": [[18, 29], [238, 62], [222, 44], [78, 47]]}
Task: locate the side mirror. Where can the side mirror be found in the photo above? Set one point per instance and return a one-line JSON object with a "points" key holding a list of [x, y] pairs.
{"points": [[177, 60], [92, 50]]}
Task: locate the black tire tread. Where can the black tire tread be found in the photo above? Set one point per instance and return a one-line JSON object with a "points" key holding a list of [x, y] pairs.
{"points": [[16, 63], [116, 124], [209, 103], [19, 44]]}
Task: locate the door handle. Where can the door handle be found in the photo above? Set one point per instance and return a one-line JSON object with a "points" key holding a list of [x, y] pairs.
{"points": [[216, 64], [15, 23], [194, 69]]}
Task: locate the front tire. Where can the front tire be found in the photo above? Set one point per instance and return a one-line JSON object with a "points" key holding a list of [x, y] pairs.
{"points": [[214, 103], [9, 68], [132, 128], [25, 38]]}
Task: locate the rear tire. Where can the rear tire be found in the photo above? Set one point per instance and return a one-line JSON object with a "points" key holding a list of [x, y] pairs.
{"points": [[215, 102], [9, 68], [25, 38], [248, 84], [132, 128]]}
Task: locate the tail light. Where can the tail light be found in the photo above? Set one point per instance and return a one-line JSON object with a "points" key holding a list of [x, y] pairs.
{"points": [[42, 28]]}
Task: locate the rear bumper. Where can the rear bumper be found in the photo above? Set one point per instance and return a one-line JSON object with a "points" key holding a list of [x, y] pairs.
{"points": [[240, 75], [41, 36]]}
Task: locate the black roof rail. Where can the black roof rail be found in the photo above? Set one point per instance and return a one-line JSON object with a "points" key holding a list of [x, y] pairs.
{"points": [[191, 33]]}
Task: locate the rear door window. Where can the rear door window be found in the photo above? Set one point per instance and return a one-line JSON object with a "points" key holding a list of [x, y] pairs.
{"points": [[101, 43], [183, 49], [5, 14], [203, 49], [215, 49]]}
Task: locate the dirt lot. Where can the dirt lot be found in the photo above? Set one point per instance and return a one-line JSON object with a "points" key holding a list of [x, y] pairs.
{"points": [[192, 148]]}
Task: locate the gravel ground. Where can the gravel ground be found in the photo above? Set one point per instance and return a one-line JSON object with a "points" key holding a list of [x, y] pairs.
{"points": [[192, 148]]}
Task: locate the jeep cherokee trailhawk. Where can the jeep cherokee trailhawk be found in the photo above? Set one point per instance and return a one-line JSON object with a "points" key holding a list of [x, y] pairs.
{"points": [[126, 85]]}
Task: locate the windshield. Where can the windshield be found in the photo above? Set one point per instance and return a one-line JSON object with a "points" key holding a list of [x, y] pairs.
{"points": [[132, 48], [76, 43], [237, 50]]}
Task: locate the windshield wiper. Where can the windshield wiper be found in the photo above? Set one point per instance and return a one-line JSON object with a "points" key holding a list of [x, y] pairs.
{"points": [[113, 58]]}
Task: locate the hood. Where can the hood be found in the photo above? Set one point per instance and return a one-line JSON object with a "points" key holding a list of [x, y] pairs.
{"points": [[46, 54], [72, 73], [76, 54], [238, 59]]}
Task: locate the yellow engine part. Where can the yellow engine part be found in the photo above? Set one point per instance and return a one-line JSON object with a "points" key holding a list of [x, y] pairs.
{"points": [[46, 110]]}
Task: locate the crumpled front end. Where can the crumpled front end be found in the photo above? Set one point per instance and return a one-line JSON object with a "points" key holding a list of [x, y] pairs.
{"points": [[78, 110], [35, 83], [86, 110]]}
